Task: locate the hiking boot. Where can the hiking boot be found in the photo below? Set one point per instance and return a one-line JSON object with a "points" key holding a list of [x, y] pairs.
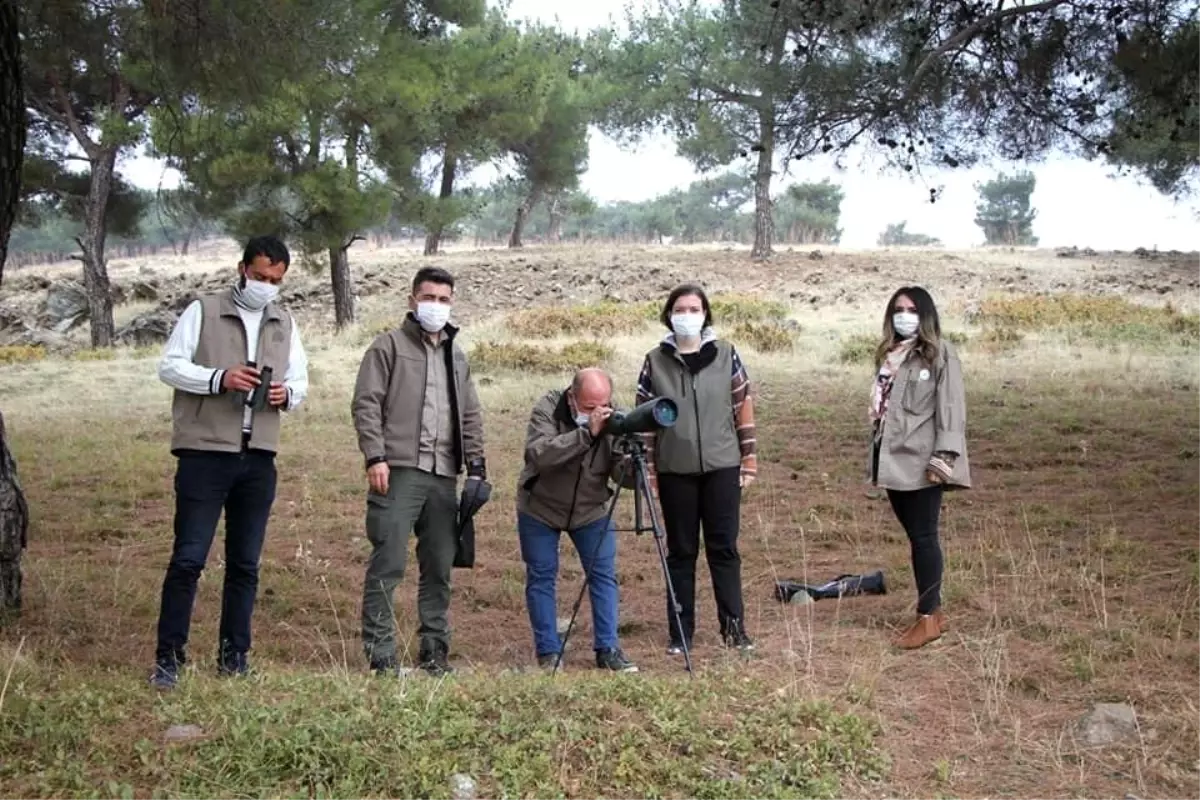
{"points": [[675, 648], [166, 674], [735, 637], [434, 659], [614, 660], [385, 667], [548, 660], [920, 633], [233, 664]]}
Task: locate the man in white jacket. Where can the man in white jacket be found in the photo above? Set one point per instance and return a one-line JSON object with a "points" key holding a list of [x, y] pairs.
{"points": [[215, 360]]}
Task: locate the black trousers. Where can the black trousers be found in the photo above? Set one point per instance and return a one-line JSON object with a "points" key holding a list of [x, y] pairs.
{"points": [[918, 512], [711, 501], [207, 483]]}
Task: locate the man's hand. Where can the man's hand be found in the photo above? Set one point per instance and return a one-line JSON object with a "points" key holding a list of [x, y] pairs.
{"points": [[597, 419], [277, 396], [933, 477], [377, 477], [240, 379]]}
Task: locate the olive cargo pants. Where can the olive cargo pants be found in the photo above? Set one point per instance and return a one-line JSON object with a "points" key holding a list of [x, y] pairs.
{"points": [[426, 505]]}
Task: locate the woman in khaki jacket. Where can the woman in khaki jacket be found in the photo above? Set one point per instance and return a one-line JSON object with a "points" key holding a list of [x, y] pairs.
{"points": [[918, 416]]}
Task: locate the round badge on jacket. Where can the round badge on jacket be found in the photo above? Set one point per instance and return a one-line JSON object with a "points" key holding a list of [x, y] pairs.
{"points": [[924, 375]]}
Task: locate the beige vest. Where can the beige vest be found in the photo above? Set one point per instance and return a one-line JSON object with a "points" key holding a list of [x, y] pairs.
{"points": [[214, 422]]}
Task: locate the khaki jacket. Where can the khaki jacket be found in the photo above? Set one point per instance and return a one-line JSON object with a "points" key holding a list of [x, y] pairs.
{"points": [[389, 398], [927, 413], [214, 422], [564, 483]]}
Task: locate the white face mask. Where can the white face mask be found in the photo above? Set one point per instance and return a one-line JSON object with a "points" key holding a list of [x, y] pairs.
{"points": [[689, 324], [906, 323], [256, 294], [582, 420], [432, 316]]}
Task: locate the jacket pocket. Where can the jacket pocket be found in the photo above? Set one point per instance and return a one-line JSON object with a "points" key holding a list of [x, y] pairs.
{"points": [[919, 391]]}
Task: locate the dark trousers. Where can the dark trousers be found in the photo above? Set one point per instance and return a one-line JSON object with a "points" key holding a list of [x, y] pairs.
{"points": [[711, 501], [207, 483], [918, 512]]}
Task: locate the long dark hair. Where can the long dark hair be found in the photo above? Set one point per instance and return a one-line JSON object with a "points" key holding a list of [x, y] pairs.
{"points": [[929, 330]]}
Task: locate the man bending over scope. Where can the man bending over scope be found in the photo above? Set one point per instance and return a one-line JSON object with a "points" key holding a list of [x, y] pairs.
{"points": [[564, 487]]}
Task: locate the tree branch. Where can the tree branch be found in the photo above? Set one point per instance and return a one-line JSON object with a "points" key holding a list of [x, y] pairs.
{"points": [[85, 142], [968, 33]]}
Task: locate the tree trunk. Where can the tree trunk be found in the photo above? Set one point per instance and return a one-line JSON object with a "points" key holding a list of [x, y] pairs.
{"points": [[764, 227], [14, 527], [433, 239], [554, 232], [12, 124], [186, 244], [343, 286], [523, 210], [95, 231]]}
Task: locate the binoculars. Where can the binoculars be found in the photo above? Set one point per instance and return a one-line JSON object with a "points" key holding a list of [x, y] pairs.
{"points": [[257, 399]]}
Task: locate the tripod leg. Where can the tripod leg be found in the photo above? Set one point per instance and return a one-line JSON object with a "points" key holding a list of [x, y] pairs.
{"points": [[586, 578], [643, 484]]}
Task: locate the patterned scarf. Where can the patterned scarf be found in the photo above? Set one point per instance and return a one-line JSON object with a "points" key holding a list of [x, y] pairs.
{"points": [[882, 390]]}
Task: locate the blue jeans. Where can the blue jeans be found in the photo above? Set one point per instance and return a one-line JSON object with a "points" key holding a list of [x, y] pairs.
{"points": [[539, 551]]}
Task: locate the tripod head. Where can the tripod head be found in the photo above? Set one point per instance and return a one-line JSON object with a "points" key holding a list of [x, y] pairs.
{"points": [[629, 444]]}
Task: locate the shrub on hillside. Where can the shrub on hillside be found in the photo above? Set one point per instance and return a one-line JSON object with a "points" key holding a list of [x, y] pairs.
{"points": [[522, 357], [1109, 318], [594, 319], [21, 353], [858, 349], [765, 337]]}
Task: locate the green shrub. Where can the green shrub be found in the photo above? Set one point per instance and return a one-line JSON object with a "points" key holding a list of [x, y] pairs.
{"points": [[1092, 317], [595, 319], [21, 353], [858, 349], [522, 357], [765, 337]]}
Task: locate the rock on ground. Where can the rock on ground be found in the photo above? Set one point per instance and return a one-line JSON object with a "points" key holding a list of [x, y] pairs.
{"points": [[1107, 724]]}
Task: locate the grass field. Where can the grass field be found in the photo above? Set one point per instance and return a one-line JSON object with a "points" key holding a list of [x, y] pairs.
{"points": [[1071, 569]]}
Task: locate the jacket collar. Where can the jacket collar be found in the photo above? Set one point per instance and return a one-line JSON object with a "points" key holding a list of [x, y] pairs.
{"points": [[707, 353], [230, 308], [562, 410], [707, 336]]}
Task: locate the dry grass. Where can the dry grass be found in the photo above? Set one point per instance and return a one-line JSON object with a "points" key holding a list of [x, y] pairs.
{"points": [[1071, 580]]}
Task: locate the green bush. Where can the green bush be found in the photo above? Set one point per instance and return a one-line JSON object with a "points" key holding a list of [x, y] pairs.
{"points": [[522, 357]]}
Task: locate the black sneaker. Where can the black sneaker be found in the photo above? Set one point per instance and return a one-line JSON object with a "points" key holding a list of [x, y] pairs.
{"points": [[675, 648], [434, 660], [233, 664], [385, 667], [614, 660], [735, 637], [166, 674]]}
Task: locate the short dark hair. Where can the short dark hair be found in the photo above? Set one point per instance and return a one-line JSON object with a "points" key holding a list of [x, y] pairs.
{"points": [[432, 275], [683, 290], [271, 247]]}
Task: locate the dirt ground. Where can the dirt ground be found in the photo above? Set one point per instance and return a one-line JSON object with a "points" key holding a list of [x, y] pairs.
{"points": [[1071, 567]]}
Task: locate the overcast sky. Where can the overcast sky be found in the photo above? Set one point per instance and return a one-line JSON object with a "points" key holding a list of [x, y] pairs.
{"points": [[1078, 203]]}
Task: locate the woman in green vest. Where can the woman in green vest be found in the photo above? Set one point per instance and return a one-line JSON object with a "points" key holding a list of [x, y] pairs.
{"points": [[700, 465], [918, 445]]}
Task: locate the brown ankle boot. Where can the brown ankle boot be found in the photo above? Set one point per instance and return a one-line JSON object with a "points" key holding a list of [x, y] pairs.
{"points": [[942, 621], [921, 633]]}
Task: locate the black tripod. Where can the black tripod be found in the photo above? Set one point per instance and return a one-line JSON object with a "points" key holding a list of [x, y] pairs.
{"points": [[633, 446]]}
